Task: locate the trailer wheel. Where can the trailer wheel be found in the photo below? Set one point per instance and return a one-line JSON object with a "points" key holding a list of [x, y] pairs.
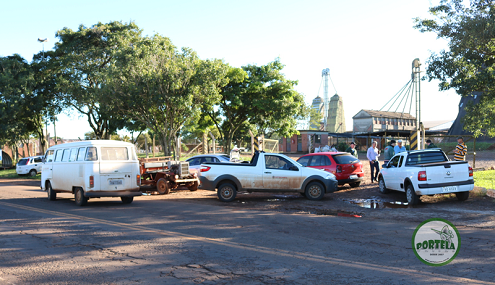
{"points": [[162, 186], [193, 187]]}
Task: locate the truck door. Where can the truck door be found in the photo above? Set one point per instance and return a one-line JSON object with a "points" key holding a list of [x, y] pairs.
{"points": [[277, 174], [393, 177]]}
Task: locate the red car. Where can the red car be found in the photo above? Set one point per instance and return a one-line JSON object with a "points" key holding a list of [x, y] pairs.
{"points": [[345, 167]]}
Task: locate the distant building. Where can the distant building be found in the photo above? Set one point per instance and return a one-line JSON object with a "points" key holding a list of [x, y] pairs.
{"points": [[336, 119], [366, 121]]}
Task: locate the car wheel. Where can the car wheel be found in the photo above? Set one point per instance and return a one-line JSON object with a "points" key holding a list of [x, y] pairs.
{"points": [[411, 196], [194, 187], [79, 197], [226, 192], [355, 184], [49, 190], [462, 196], [314, 191], [162, 186], [127, 200], [382, 186], [33, 173]]}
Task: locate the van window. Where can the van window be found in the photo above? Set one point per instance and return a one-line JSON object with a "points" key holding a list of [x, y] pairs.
{"points": [[73, 154], [82, 152], [49, 155], [114, 153], [58, 155], [91, 154], [65, 158]]}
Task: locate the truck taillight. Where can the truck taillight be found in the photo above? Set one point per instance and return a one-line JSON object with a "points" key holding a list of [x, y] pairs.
{"points": [[422, 176], [91, 181], [470, 171], [205, 168], [138, 180], [339, 168]]}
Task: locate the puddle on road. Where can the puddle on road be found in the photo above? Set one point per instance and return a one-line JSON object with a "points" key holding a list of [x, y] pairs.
{"points": [[377, 204], [275, 198]]}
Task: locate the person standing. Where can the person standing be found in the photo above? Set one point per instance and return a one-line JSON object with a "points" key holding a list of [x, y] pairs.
{"points": [[389, 152], [399, 147], [373, 154], [430, 144], [352, 149], [460, 150]]}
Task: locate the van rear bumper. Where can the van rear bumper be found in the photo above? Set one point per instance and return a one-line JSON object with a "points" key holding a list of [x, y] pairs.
{"points": [[121, 193]]}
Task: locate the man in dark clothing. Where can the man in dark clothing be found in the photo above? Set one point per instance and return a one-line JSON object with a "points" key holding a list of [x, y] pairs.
{"points": [[352, 150], [389, 151], [430, 144]]}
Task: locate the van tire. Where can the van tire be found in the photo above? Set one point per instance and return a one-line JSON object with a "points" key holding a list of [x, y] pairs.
{"points": [[226, 192], [462, 196], [127, 200], [33, 172], [315, 191], [52, 196], [79, 197], [162, 186]]}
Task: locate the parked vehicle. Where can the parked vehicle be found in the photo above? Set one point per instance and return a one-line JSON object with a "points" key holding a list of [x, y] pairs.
{"points": [[92, 169], [29, 165], [426, 172], [346, 168], [267, 172], [196, 161], [164, 175]]}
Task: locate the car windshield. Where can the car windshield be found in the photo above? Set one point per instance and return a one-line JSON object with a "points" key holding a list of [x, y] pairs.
{"points": [[23, 161], [345, 159]]}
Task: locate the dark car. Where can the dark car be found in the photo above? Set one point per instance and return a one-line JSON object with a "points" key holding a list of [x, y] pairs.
{"points": [[346, 168]]}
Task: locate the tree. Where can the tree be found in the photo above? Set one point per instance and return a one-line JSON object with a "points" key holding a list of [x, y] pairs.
{"points": [[314, 118], [469, 63], [155, 84], [79, 67]]}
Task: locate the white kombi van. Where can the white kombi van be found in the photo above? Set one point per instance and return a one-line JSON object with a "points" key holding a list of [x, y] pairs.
{"points": [[92, 169]]}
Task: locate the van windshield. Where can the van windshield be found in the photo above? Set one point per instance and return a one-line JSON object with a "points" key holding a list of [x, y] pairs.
{"points": [[114, 153]]}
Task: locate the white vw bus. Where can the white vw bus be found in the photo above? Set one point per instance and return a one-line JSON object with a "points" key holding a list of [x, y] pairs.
{"points": [[92, 169]]}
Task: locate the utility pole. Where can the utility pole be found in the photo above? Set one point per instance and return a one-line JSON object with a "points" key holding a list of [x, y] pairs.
{"points": [[416, 74]]}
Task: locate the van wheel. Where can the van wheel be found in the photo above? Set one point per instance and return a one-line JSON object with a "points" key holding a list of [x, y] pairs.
{"points": [[127, 200], [226, 192], [315, 191], [32, 173], [162, 186], [194, 187], [49, 190], [79, 197], [382, 186], [462, 196], [411, 196]]}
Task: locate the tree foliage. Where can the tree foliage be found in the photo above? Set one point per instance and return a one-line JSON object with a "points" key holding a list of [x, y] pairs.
{"points": [[469, 64]]}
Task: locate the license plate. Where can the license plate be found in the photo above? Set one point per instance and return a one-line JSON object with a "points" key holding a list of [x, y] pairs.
{"points": [[449, 189], [353, 177], [116, 182]]}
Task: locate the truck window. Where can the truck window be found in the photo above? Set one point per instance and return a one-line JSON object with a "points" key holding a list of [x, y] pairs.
{"points": [[65, 157], [58, 155], [49, 155], [73, 154], [426, 157], [276, 162], [401, 160], [81, 153], [91, 154], [394, 162], [114, 153]]}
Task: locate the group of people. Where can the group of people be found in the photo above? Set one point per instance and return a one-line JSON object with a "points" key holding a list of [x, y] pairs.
{"points": [[396, 147]]}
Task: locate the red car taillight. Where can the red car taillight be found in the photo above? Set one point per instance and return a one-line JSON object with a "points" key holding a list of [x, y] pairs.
{"points": [[339, 168], [470, 171], [91, 181], [422, 176], [138, 180], [205, 168]]}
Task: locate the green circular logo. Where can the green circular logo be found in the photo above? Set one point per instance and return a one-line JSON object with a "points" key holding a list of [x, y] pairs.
{"points": [[436, 242]]}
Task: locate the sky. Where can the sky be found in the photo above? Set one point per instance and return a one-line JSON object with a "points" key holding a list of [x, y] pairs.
{"points": [[368, 46]]}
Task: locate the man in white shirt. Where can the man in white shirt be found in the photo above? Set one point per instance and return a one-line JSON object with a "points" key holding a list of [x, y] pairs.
{"points": [[399, 147], [373, 154]]}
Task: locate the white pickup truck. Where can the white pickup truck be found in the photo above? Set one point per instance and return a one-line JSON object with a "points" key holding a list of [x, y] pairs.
{"points": [[426, 172], [267, 172]]}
